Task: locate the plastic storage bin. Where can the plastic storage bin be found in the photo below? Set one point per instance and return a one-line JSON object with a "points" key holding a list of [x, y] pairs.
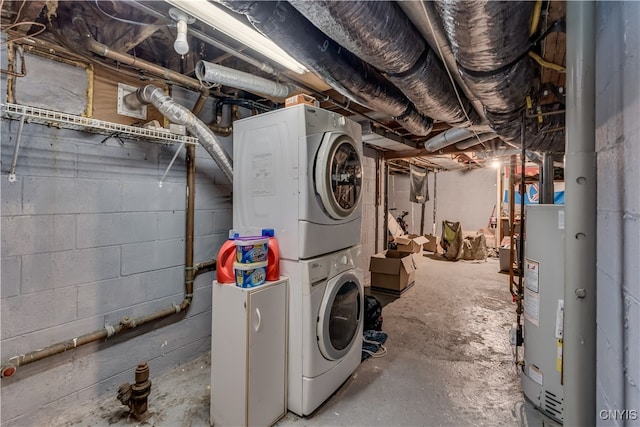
{"points": [[251, 249], [250, 275]]}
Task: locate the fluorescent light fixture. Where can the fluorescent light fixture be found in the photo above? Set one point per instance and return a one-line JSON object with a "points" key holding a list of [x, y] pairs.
{"points": [[222, 21]]}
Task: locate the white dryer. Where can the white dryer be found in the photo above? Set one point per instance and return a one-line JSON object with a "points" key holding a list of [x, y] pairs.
{"points": [[325, 326], [298, 170]]}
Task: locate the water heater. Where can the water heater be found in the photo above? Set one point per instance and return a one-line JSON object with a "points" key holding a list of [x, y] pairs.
{"points": [[543, 308]]}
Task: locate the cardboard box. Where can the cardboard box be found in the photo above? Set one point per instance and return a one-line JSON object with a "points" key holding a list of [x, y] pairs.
{"points": [[301, 99], [410, 243], [392, 270], [432, 244]]}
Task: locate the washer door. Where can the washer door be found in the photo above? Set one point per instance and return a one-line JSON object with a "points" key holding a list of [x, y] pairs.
{"points": [[340, 316], [338, 174]]}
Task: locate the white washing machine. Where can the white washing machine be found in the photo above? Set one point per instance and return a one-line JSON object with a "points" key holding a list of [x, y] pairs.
{"points": [[298, 170], [325, 326]]}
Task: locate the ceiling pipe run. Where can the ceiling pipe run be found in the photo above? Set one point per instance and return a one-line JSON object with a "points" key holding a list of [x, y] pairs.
{"points": [[447, 138], [338, 67], [219, 74], [262, 66], [176, 113], [379, 33], [103, 50]]}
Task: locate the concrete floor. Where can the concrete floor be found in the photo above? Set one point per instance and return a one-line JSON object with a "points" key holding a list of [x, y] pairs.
{"points": [[449, 363]]}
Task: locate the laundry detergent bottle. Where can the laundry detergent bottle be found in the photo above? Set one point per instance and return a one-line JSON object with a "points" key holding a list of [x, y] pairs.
{"points": [[225, 272], [273, 255]]}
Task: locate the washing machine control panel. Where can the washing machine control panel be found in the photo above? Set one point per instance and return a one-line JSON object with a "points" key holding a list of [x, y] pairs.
{"points": [[341, 262], [318, 270]]}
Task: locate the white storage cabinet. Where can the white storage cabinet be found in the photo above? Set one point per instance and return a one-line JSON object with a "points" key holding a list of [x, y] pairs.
{"points": [[248, 354]]}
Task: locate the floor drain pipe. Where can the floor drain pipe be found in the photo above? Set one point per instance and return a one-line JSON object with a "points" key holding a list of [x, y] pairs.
{"points": [[580, 220]]}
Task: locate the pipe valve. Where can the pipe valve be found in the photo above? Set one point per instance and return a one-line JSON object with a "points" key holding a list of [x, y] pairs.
{"points": [[135, 395]]}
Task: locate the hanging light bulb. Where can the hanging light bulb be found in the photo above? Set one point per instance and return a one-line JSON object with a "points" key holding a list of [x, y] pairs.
{"points": [[181, 45]]}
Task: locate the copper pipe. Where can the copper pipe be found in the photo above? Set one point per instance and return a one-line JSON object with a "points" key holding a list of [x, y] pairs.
{"points": [[221, 130], [103, 50]]}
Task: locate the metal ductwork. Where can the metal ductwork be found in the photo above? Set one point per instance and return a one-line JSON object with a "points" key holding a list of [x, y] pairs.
{"points": [[475, 140], [338, 67], [218, 74], [379, 33], [178, 114], [447, 138]]}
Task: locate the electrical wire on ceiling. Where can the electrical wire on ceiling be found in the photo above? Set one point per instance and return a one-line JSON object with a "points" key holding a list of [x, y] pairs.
{"points": [[12, 26]]}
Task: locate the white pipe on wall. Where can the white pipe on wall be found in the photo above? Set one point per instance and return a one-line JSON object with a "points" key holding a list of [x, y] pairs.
{"points": [[579, 337]]}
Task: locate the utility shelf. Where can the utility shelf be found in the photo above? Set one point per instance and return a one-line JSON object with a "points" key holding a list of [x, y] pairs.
{"points": [[71, 121]]}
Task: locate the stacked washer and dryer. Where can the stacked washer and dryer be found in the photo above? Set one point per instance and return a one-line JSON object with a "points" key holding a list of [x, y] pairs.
{"points": [[298, 170]]}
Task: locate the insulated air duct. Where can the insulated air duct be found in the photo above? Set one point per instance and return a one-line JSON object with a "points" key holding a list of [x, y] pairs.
{"points": [[379, 33], [178, 114], [341, 69], [426, 20], [490, 41], [214, 73]]}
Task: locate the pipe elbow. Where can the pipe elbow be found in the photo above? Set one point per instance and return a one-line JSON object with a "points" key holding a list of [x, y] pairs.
{"points": [[7, 371]]}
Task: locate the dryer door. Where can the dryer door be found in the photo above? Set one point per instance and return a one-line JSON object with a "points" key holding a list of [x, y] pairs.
{"points": [[338, 174], [340, 316]]}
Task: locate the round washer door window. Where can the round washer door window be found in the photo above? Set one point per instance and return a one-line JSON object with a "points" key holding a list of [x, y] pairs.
{"points": [[338, 175], [340, 317]]}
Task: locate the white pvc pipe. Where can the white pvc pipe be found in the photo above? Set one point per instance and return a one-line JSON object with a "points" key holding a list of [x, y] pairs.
{"points": [[579, 337]]}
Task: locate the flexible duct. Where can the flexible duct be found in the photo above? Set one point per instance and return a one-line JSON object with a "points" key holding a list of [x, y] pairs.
{"points": [[214, 73], [446, 138], [341, 69], [490, 41], [175, 112], [380, 34], [423, 15]]}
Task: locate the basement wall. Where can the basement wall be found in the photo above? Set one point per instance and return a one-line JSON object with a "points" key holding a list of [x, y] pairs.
{"points": [[618, 211], [87, 237], [466, 196], [369, 212]]}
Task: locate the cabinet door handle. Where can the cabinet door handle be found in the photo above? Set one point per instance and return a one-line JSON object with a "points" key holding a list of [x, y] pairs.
{"points": [[259, 320]]}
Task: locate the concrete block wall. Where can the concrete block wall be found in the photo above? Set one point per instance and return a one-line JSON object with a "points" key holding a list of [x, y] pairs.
{"points": [[465, 196], [618, 212], [87, 237], [368, 236]]}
